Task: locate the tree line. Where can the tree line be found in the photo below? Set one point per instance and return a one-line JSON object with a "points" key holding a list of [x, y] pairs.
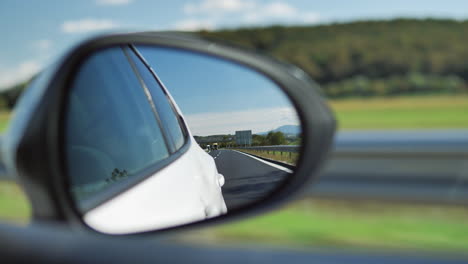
{"points": [[364, 58], [368, 58], [9, 97], [270, 139]]}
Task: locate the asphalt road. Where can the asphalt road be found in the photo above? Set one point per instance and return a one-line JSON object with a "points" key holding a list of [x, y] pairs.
{"points": [[247, 178]]}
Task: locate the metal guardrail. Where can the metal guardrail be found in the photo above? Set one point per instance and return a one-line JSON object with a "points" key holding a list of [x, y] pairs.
{"points": [[417, 165], [426, 166]]}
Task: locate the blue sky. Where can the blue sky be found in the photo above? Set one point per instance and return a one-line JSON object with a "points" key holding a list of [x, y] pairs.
{"points": [[202, 84], [35, 32], [217, 96]]}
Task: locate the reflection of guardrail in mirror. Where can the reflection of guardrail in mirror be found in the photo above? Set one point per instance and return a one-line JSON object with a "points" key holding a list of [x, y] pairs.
{"points": [[285, 155], [281, 148]]}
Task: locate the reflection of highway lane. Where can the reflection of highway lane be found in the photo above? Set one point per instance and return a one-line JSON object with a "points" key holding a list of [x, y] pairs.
{"points": [[247, 178]]}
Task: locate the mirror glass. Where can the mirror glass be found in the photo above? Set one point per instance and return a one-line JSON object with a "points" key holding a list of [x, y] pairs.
{"points": [[158, 137]]}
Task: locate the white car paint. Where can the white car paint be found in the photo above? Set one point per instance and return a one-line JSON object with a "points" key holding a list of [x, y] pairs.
{"points": [[185, 191]]}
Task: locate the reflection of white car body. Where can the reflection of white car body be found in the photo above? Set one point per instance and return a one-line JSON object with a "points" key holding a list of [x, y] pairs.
{"points": [[186, 190]]}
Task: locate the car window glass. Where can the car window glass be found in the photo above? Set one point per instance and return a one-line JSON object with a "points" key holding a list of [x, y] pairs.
{"points": [[161, 101], [111, 131]]}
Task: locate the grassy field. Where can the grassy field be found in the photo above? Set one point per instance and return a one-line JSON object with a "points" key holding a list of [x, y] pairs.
{"points": [[422, 112], [351, 224], [14, 207], [347, 224], [4, 118]]}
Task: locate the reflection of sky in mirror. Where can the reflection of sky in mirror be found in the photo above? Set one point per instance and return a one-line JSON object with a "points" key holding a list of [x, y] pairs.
{"points": [[257, 120], [220, 97]]}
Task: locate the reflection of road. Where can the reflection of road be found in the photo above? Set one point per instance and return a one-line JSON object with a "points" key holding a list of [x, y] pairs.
{"points": [[247, 178]]}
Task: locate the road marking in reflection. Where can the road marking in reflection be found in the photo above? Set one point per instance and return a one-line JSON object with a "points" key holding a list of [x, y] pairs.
{"points": [[219, 152], [267, 162]]}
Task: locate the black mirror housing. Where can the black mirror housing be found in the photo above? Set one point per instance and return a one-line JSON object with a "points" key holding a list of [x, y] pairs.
{"points": [[32, 149]]}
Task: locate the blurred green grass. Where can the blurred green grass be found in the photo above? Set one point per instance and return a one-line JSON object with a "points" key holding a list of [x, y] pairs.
{"points": [[14, 206], [416, 112], [351, 224], [4, 118], [313, 222]]}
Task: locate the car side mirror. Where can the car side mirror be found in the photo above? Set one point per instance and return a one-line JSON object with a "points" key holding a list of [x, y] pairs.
{"points": [[133, 133]]}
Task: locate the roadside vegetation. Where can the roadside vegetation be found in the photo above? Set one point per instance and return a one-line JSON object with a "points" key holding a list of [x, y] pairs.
{"points": [[351, 224], [369, 58], [404, 112], [14, 206], [5, 116]]}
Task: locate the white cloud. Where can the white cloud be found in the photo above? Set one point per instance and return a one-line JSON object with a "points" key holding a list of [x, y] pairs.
{"points": [[246, 12], [88, 25], [22, 72], [113, 2], [218, 6], [43, 44], [279, 11], [258, 120], [194, 24], [310, 17]]}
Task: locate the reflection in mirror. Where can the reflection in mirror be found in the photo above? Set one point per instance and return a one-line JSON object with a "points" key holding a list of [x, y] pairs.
{"points": [[158, 137]]}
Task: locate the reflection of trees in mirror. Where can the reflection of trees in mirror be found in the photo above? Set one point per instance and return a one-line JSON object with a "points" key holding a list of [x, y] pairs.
{"points": [[84, 191], [117, 175], [276, 138], [270, 139]]}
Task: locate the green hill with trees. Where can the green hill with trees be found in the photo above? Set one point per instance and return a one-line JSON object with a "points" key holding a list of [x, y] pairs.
{"points": [[368, 58], [360, 59]]}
